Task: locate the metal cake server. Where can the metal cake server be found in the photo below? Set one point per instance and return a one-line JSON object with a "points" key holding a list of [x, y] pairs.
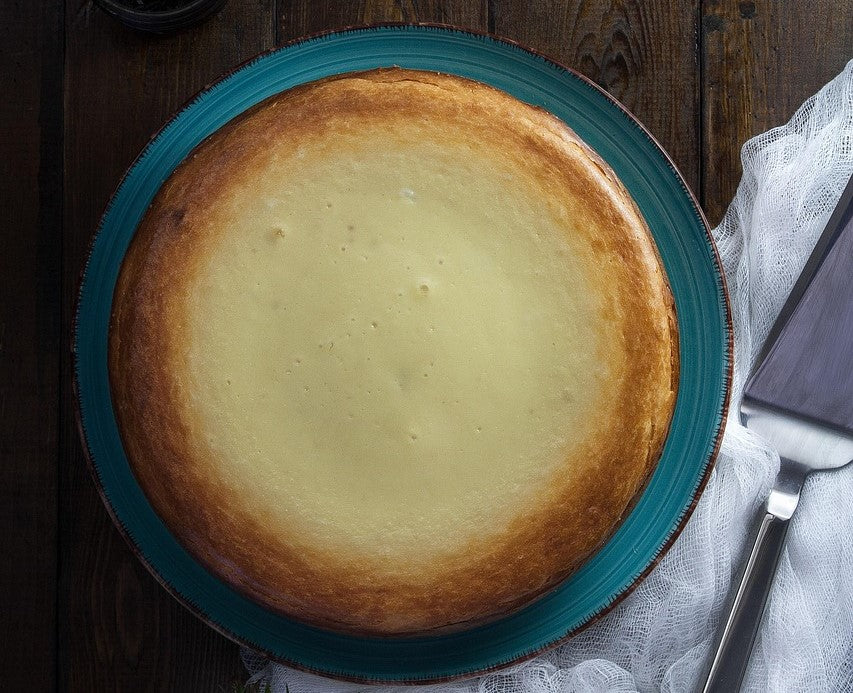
{"points": [[800, 399]]}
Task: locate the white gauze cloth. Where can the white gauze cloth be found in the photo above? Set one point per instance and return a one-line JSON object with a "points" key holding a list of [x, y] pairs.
{"points": [[659, 637]]}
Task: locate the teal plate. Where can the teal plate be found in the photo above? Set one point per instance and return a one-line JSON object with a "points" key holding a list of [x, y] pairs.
{"points": [[694, 272]]}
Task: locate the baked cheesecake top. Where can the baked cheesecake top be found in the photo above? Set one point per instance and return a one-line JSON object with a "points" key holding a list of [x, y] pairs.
{"points": [[393, 353]]}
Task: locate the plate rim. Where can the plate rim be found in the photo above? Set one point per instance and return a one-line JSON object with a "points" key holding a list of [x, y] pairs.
{"points": [[709, 462]]}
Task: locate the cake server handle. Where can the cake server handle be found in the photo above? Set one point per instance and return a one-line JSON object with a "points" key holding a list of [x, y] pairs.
{"points": [[740, 623]]}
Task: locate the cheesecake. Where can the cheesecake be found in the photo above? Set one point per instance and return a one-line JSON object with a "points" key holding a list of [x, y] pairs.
{"points": [[393, 353]]}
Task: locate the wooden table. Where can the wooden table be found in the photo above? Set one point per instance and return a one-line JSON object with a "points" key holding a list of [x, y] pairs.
{"points": [[82, 95]]}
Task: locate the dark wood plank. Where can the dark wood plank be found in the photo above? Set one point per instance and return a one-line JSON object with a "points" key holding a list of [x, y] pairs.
{"points": [[643, 53], [303, 17], [119, 630], [30, 255], [760, 61]]}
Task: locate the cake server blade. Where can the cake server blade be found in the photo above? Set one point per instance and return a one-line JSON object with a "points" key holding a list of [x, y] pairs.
{"points": [[800, 399]]}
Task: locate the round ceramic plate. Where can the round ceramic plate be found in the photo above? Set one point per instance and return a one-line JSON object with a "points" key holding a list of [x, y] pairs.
{"points": [[705, 344]]}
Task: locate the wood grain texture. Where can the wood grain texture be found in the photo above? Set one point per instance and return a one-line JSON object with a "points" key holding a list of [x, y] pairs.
{"points": [[30, 247], [119, 630], [643, 53], [303, 17], [760, 61]]}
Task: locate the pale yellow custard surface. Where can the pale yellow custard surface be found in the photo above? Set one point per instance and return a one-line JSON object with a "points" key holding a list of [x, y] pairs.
{"points": [[388, 367], [383, 348]]}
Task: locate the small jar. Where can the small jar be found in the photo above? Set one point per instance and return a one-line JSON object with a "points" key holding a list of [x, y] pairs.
{"points": [[160, 16]]}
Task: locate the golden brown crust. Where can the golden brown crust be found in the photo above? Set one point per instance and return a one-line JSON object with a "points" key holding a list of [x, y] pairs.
{"points": [[490, 577]]}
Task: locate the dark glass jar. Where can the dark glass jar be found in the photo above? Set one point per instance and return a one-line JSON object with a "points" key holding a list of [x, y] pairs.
{"points": [[160, 16]]}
